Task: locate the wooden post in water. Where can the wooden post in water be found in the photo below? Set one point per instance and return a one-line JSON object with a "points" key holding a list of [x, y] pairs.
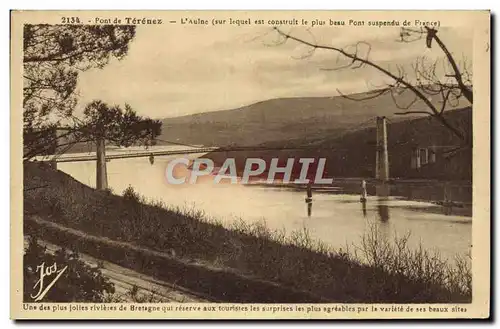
{"points": [[101, 172], [309, 199], [309, 192], [382, 158]]}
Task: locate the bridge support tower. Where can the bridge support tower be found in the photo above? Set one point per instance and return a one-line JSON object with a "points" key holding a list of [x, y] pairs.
{"points": [[382, 159], [101, 172]]}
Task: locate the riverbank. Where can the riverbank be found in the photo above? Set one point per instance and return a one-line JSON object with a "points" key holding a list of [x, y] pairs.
{"points": [[292, 262]]}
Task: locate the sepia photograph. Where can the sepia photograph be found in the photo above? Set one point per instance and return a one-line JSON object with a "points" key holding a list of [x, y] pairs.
{"points": [[321, 164]]}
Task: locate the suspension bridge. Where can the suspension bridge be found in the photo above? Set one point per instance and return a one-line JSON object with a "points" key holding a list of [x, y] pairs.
{"points": [[101, 156], [78, 157], [188, 149], [123, 155]]}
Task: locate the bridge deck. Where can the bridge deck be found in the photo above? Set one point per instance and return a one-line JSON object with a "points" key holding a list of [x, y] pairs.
{"points": [[93, 157], [141, 154]]}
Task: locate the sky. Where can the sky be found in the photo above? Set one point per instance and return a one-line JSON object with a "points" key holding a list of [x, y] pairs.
{"points": [[187, 70]]}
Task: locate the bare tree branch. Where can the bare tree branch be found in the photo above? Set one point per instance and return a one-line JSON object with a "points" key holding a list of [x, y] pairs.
{"points": [[467, 92], [428, 82]]}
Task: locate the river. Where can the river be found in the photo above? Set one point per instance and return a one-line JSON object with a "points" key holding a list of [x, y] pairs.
{"points": [[336, 219]]}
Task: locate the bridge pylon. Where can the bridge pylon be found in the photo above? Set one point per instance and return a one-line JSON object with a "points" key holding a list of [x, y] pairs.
{"points": [[101, 171], [382, 158]]}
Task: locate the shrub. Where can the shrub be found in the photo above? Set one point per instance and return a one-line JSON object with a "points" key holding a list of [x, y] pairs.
{"points": [[135, 295], [414, 264], [129, 194]]}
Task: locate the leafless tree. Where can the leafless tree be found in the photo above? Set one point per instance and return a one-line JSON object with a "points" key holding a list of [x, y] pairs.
{"points": [[423, 84]]}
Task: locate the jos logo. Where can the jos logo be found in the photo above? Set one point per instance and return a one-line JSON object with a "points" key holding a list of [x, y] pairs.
{"points": [[48, 277]]}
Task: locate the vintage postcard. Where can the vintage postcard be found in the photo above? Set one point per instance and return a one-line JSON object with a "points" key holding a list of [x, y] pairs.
{"points": [[250, 164]]}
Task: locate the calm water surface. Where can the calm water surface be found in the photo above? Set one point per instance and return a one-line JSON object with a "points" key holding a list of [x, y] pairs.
{"points": [[336, 219]]}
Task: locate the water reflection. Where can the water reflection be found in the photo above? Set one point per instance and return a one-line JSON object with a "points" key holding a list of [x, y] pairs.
{"points": [[363, 206], [309, 208], [383, 210], [383, 193]]}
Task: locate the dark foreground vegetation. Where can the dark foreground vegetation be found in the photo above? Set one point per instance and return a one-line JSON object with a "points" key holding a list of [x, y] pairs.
{"points": [[82, 282], [242, 263]]}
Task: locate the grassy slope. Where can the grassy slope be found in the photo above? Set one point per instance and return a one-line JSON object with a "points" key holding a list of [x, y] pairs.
{"points": [[296, 262]]}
